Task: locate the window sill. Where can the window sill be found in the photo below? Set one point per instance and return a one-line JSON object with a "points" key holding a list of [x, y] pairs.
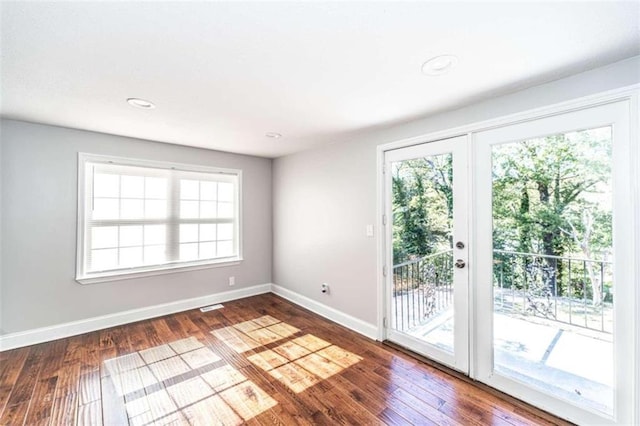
{"points": [[159, 270]]}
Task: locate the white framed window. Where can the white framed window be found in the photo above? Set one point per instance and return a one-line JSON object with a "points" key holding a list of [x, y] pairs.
{"points": [[139, 217]]}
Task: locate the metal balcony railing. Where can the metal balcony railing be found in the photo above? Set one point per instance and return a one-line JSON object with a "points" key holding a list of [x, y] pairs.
{"points": [[572, 291], [569, 290], [422, 288]]}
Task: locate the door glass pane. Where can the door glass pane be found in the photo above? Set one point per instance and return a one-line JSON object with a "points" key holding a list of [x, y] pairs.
{"points": [[422, 208], [552, 265]]}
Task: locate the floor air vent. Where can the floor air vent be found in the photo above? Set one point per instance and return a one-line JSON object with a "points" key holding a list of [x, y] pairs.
{"points": [[211, 308]]}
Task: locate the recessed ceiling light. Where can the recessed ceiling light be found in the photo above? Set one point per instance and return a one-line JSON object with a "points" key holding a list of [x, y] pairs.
{"points": [[273, 135], [140, 103], [439, 65]]}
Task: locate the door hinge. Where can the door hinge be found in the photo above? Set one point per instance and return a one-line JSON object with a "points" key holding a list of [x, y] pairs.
{"points": [[384, 219], [384, 271], [384, 322], [384, 168]]}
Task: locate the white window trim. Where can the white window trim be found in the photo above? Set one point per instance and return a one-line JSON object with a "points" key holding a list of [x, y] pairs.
{"points": [[140, 272]]}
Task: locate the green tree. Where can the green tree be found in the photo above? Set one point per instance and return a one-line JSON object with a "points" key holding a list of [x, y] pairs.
{"points": [[541, 185], [422, 207]]}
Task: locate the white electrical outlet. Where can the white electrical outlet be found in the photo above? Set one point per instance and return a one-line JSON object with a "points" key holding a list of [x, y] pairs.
{"points": [[232, 280], [325, 288]]}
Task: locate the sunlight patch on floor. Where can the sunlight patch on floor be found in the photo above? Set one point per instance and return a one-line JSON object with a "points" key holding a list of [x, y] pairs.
{"points": [[254, 333], [165, 385], [186, 382], [303, 362]]}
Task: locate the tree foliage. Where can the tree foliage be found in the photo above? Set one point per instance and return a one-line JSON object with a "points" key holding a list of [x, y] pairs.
{"points": [[551, 196], [422, 207]]}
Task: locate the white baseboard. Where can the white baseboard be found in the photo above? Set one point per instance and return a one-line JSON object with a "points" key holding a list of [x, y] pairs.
{"points": [[59, 331], [353, 323], [45, 334]]}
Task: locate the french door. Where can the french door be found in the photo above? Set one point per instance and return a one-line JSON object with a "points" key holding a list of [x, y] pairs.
{"points": [[512, 254], [427, 287]]}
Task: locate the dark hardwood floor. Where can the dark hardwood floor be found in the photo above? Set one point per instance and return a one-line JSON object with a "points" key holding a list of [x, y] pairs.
{"points": [[259, 360]]}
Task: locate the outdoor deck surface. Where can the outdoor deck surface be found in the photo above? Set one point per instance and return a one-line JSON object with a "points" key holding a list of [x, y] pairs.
{"points": [[545, 355]]}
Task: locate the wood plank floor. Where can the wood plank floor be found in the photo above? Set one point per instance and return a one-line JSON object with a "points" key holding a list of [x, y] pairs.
{"points": [[259, 360]]}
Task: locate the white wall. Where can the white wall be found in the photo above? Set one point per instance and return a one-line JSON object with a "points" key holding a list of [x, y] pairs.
{"points": [[38, 177], [324, 198]]}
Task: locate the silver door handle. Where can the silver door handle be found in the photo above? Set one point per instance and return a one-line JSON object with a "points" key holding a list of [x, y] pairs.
{"points": [[460, 263]]}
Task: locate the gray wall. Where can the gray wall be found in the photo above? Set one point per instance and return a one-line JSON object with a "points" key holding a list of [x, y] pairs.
{"points": [[324, 198], [1, 286], [38, 177]]}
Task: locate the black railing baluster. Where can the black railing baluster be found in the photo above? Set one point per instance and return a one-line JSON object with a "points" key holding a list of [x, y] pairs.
{"points": [[406, 293], [420, 295], [502, 284], [395, 297], [513, 287], [402, 300], [526, 289], [413, 293], [602, 296], [584, 292], [555, 288], [570, 294], [449, 272]]}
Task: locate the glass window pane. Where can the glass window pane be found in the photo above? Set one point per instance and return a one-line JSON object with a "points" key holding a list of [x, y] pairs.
{"points": [[130, 236], [154, 255], [131, 256], [188, 233], [188, 251], [422, 255], [155, 209], [102, 260], [132, 187], [207, 209], [106, 185], [104, 237], [225, 191], [155, 187], [207, 232], [154, 234], [131, 209], [225, 210], [225, 231], [207, 190], [225, 248], [189, 209], [189, 189], [154, 213], [207, 250], [105, 209], [553, 276]]}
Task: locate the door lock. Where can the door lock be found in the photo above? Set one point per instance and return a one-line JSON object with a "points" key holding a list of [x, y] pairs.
{"points": [[460, 245], [460, 263]]}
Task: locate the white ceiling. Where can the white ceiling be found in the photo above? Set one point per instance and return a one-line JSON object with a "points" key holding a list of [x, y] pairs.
{"points": [[224, 74]]}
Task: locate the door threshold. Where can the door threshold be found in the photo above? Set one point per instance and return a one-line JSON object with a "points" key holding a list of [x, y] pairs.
{"points": [[486, 388], [429, 361]]}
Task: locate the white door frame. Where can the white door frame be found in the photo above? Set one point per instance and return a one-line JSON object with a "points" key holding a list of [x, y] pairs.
{"points": [[631, 94]]}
